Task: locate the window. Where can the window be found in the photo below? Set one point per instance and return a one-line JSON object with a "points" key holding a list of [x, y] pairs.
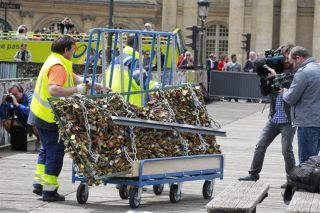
{"points": [[216, 40]]}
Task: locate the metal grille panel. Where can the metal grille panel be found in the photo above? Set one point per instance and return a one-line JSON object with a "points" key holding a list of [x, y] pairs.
{"points": [[234, 84]]}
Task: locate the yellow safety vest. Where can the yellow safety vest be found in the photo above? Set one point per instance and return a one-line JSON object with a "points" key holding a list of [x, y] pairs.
{"points": [[40, 106], [116, 80]]}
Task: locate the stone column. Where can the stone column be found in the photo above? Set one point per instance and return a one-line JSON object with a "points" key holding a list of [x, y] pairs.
{"points": [[263, 25], [316, 31], [169, 15], [26, 19], [236, 28], [87, 21], [190, 13], [288, 21]]}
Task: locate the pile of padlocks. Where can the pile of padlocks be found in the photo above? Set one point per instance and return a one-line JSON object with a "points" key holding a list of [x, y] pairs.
{"points": [[99, 147]]}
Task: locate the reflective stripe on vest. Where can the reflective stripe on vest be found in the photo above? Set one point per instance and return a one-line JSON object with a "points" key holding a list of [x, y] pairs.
{"points": [[40, 106]]}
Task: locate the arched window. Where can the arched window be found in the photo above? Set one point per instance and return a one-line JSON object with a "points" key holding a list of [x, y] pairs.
{"points": [[4, 25], [216, 40]]}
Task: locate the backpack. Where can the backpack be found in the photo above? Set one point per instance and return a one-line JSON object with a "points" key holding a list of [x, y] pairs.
{"points": [[304, 177]]}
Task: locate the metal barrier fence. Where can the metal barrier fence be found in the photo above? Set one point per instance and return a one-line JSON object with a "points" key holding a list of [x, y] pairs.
{"points": [[235, 84], [31, 69], [8, 70]]}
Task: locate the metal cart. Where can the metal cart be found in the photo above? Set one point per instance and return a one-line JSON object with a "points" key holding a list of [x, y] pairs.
{"points": [[156, 171], [174, 170]]}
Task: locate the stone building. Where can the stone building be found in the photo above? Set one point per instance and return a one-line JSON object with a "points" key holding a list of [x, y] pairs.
{"points": [[270, 22]]}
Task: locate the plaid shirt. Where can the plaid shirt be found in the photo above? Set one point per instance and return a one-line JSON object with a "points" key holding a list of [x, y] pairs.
{"points": [[280, 116]]}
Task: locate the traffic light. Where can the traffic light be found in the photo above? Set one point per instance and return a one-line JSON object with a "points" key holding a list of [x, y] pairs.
{"points": [[194, 37], [246, 43]]}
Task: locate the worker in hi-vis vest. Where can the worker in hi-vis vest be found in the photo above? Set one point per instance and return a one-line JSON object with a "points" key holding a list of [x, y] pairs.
{"points": [[128, 62], [56, 78]]}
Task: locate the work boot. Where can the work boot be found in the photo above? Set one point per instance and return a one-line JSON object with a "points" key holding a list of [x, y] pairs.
{"points": [[283, 186], [52, 196], [250, 177], [37, 189]]}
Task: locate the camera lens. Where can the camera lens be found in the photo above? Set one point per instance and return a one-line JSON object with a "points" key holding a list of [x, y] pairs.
{"points": [[9, 99]]}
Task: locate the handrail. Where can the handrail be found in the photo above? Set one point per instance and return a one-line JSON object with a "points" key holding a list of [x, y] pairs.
{"points": [[31, 36]]}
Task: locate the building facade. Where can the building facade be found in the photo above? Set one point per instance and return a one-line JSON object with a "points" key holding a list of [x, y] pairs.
{"points": [[270, 22]]}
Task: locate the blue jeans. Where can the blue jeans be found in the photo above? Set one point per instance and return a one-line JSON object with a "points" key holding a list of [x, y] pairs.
{"points": [[269, 132], [308, 142]]}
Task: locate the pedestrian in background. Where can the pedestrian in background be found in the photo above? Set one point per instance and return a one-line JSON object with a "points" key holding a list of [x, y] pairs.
{"points": [[187, 62], [66, 25], [233, 65], [23, 55], [148, 27], [222, 62], [212, 63]]}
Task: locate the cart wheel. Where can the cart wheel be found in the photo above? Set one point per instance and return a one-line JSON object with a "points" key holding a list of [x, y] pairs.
{"points": [[123, 192], [158, 189], [134, 198], [207, 189], [82, 193], [175, 197]]}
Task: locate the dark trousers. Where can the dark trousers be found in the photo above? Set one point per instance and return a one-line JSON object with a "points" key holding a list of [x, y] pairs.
{"points": [[269, 132], [52, 152]]}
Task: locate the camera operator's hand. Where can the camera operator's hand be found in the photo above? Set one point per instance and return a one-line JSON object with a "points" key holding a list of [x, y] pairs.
{"points": [[272, 72], [280, 91], [14, 101]]}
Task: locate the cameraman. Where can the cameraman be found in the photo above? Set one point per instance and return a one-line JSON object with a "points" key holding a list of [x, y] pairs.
{"points": [[279, 123], [15, 110], [303, 96]]}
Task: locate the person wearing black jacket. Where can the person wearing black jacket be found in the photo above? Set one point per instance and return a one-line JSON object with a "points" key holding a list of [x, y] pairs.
{"points": [[212, 63], [279, 123], [66, 25]]}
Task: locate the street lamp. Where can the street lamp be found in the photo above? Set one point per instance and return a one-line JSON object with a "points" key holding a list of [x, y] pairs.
{"points": [[111, 7], [203, 8]]}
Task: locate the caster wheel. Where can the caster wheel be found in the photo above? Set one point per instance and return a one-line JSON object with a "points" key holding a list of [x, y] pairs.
{"points": [[134, 198], [82, 193], [123, 192], [207, 189], [175, 197], [158, 189]]}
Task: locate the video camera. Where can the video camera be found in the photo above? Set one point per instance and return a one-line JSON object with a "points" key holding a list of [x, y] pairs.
{"points": [[275, 60], [279, 81]]}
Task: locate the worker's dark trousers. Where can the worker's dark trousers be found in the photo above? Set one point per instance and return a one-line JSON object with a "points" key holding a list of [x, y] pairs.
{"points": [[51, 153]]}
